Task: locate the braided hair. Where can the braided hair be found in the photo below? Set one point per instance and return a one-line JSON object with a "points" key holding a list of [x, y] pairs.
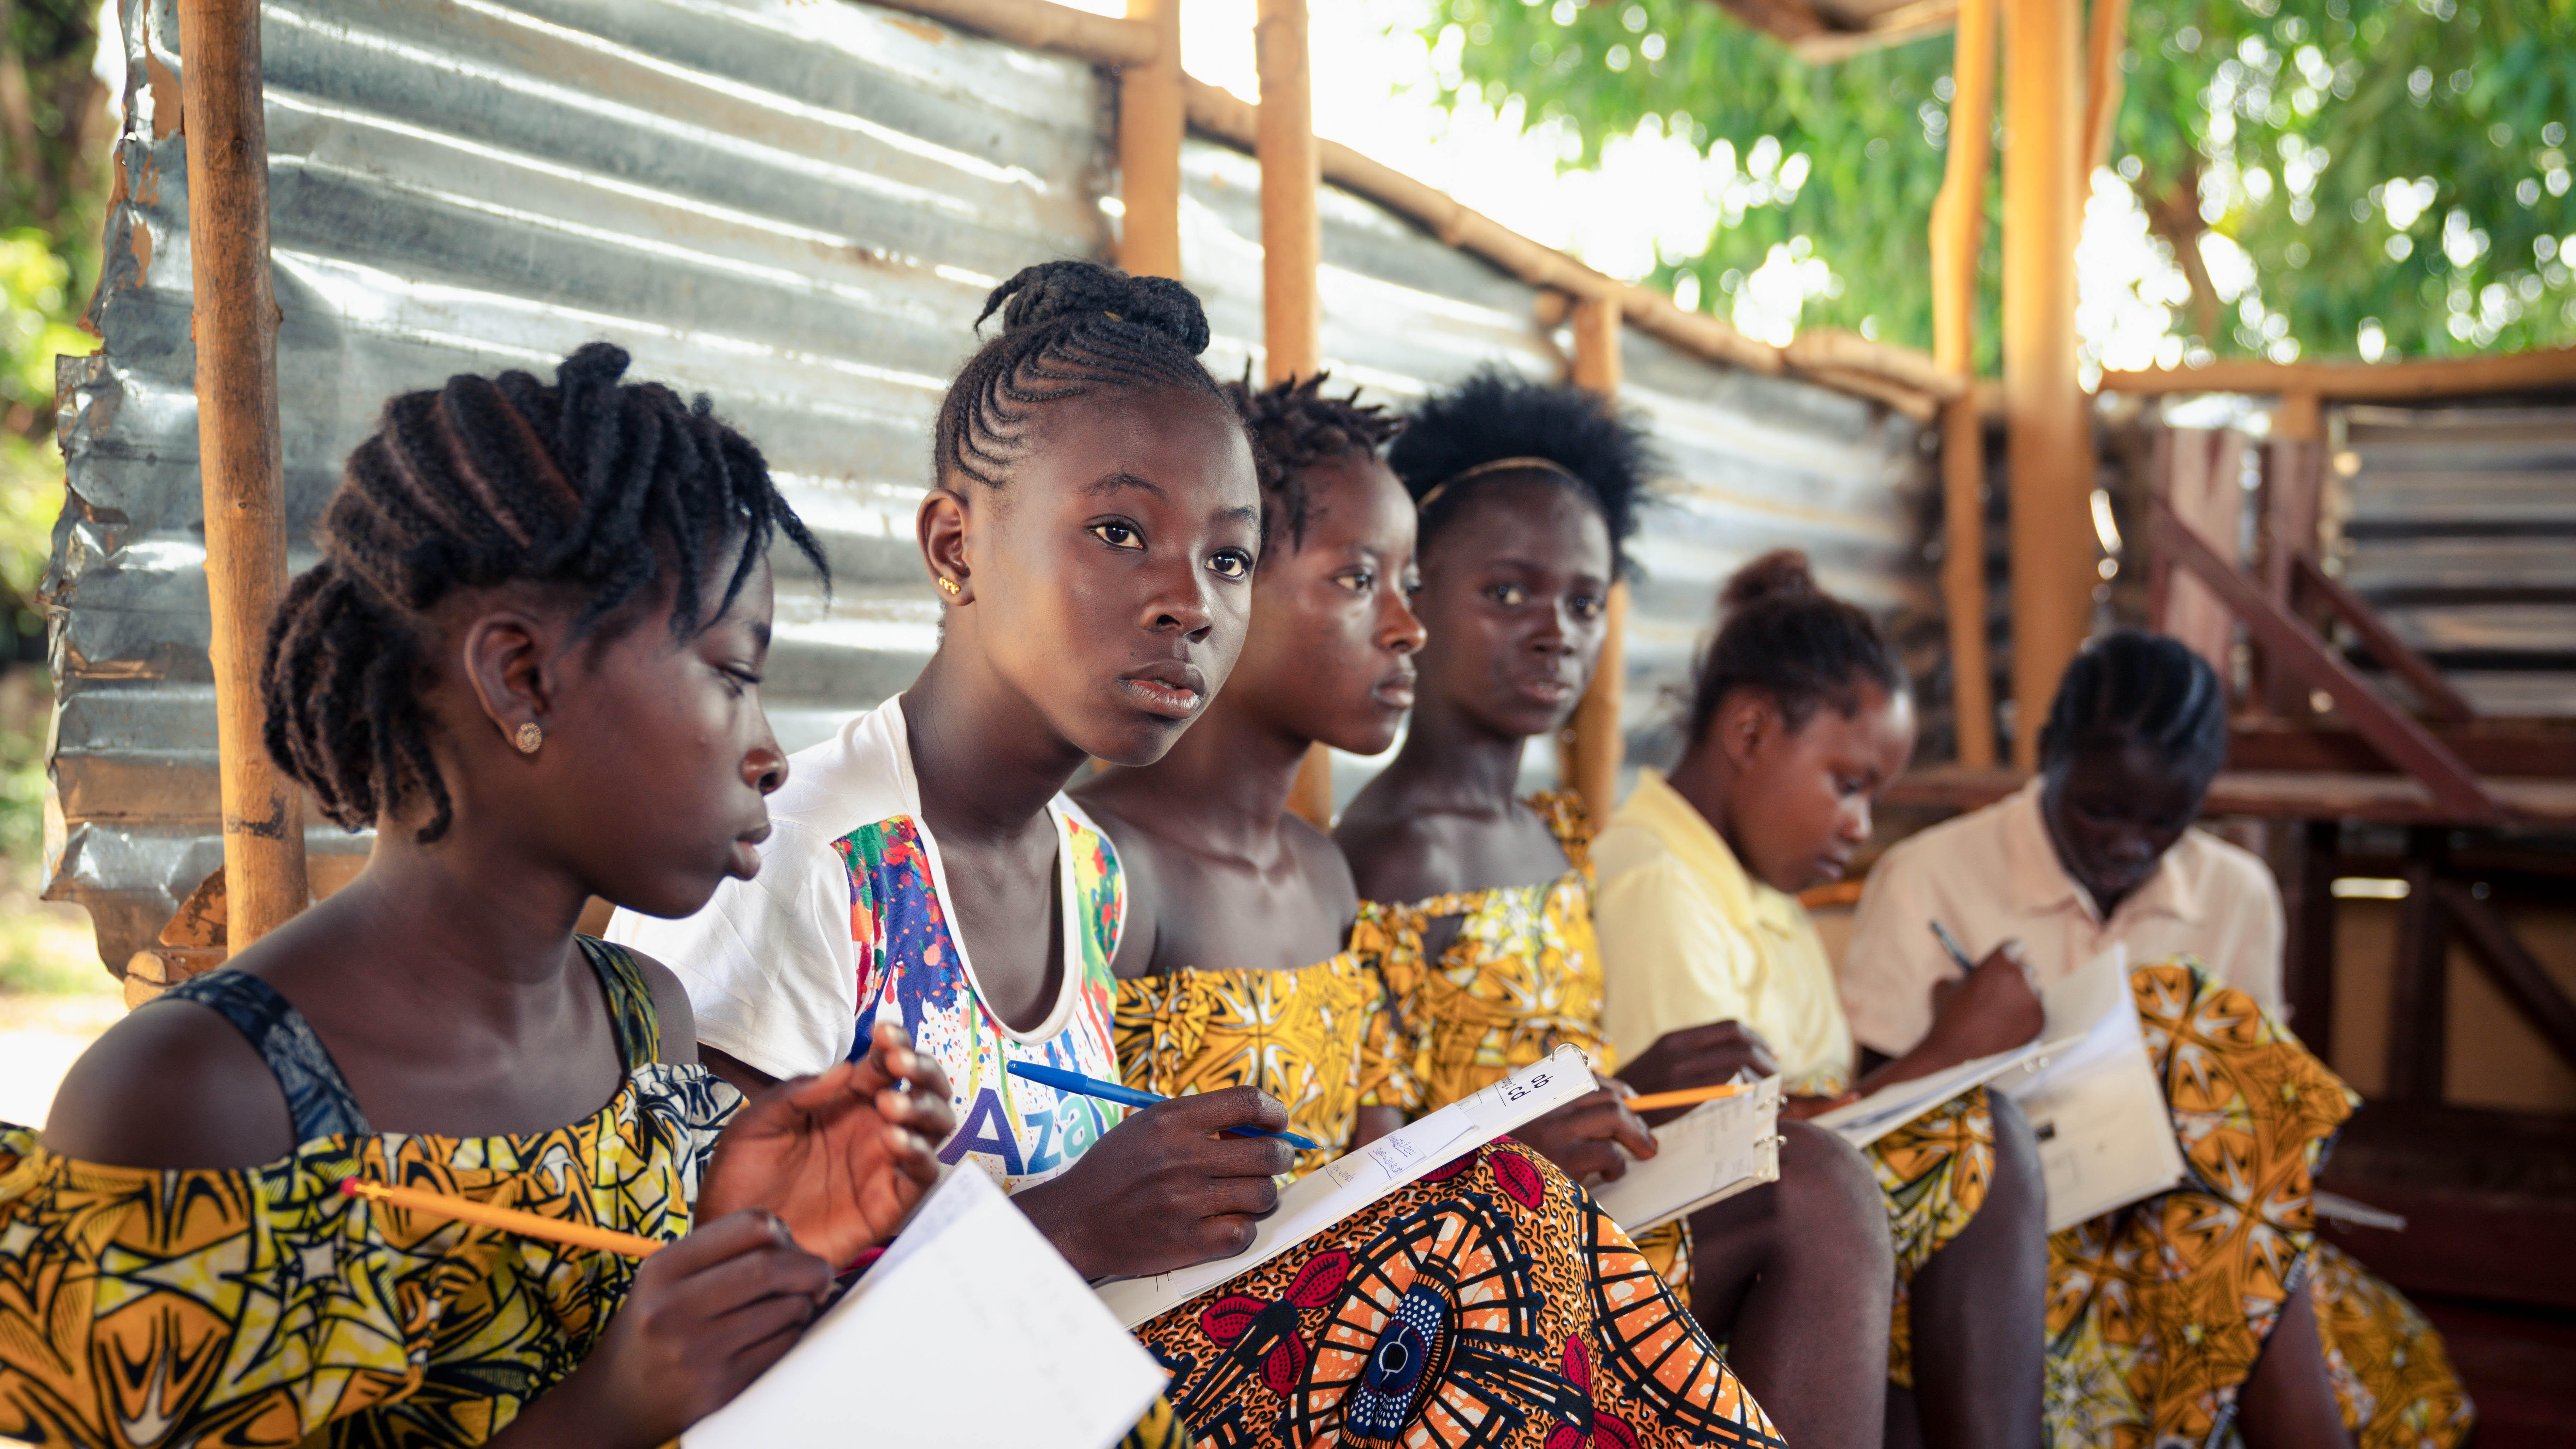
{"points": [[604, 488], [2138, 687], [1294, 427], [1791, 640], [1069, 329], [1494, 417]]}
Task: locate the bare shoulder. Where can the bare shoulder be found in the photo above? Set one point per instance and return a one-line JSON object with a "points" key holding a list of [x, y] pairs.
{"points": [[173, 1085], [1320, 861], [679, 1021], [1396, 857]]}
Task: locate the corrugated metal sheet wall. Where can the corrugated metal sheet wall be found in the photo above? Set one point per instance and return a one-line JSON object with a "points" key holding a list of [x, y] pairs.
{"points": [[795, 207], [2455, 523]]}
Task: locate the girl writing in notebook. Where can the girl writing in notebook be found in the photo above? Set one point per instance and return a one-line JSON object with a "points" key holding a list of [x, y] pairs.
{"points": [[2098, 851], [1800, 712], [1094, 535], [1218, 872], [2156, 1325], [1478, 903], [532, 598]]}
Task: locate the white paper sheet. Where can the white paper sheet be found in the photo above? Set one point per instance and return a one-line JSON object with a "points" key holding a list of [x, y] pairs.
{"points": [[1351, 1182], [1883, 1111], [2106, 1137], [969, 1332], [1706, 1155]]}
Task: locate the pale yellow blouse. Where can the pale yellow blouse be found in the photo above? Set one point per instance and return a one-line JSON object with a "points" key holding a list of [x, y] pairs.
{"points": [[1687, 937]]}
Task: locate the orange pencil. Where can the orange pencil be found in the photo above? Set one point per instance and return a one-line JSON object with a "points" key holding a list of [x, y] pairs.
{"points": [[529, 1225], [1688, 1096]]}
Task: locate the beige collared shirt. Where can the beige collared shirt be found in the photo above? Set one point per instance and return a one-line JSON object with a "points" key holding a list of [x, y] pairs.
{"points": [[1687, 937], [1993, 873]]}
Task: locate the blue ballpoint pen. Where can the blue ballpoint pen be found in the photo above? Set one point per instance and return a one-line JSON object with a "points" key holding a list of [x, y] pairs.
{"points": [[1124, 1096]]}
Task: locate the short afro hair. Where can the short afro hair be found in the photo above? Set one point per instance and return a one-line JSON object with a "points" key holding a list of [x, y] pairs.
{"points": [[1494, 416]]}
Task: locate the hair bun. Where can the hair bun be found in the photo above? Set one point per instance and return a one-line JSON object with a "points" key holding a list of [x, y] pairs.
{"points": [[1783, 573], [1053, 291]]}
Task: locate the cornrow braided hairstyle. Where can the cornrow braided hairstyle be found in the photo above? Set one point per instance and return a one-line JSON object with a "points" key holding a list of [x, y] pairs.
{"points": [[1496, 418], [1786, 637], [604, 487], [2138, 687], [1294, 427], [1069, 329]]}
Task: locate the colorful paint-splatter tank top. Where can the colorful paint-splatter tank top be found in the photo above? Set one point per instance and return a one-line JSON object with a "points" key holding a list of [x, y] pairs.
{"points": [[847, 923]]}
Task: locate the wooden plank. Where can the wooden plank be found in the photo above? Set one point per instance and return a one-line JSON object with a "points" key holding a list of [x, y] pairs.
{"points": [[1958, 230], [1292, 244], [237, 437], [2513, 969], [2397, 736], [2294, 472], [2108, 36], [2394, 654], [2490, 747], [2419, 997], [1152, 115], [1596, 738], [1042, 25], [2382, 798], [2049, 446], [2359, 381]]}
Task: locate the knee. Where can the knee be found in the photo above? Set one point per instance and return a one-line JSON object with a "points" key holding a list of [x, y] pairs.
{"points": [[1826, 1188], [2018, 1186]]}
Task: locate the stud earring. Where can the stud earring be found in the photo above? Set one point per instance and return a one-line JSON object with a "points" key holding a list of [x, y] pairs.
{"points": [[528, 738], [950, 586]]}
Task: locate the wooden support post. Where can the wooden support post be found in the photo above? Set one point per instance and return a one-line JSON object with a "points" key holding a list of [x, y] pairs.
{"points": [[1292, 244], [1595, 741], [2420, 997], [2102, 82], [1958, 232], [2294, 472], [2049, 449], [2316, 850], [240, 469], [1152, 114], [2285, 637]]}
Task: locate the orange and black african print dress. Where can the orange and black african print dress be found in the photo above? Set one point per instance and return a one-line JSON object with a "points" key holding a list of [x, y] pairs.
{"points": [[1521, 978], [1488, 1304], [2157, 1312]]}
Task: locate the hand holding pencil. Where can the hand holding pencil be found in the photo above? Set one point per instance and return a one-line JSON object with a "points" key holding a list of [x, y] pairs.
{"points": [[841, 1156]]}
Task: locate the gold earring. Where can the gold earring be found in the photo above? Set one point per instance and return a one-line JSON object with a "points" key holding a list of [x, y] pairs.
{"points": [[528, 738], [951, 586]]}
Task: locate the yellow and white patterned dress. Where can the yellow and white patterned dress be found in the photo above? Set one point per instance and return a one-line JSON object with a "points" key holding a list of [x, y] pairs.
{"points": [[1316, 1039], [1521, 978]]}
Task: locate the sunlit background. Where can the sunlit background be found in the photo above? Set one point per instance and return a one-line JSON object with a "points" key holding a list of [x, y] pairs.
{"points": [[1653, 198]]}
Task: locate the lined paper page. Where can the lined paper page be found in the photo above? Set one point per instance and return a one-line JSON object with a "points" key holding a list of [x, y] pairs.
{"points": [[1352, 1182]]}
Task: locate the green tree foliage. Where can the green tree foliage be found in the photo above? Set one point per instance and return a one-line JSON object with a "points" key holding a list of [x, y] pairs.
{"points": [[2395, 170], [55, 129]]}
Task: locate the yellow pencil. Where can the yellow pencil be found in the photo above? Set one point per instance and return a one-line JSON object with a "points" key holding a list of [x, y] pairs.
{"points": [[530, 1225], [1688, 1096]]}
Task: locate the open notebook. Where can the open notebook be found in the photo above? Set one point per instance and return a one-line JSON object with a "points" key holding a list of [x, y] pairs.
{"points": [[1352, 1182], [970, 1331], [1706, 1155], [2106, 1136], [1890, 1107]]}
